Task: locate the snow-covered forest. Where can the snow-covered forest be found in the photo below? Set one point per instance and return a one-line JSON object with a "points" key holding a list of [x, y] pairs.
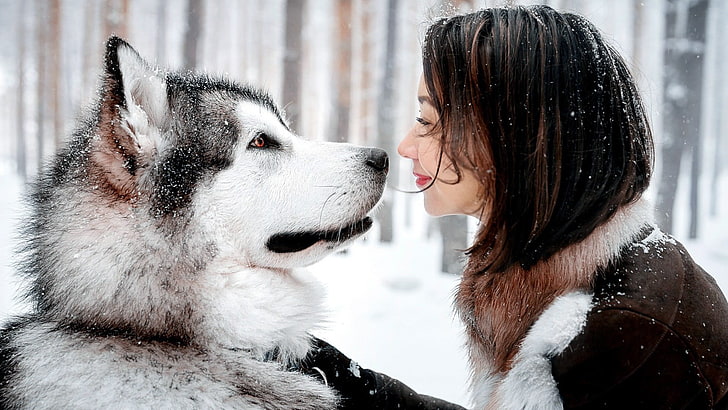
{"points": [[347, 70]]}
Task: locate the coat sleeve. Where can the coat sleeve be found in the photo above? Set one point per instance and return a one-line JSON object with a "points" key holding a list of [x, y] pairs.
{"points": [[624, 359], [360, 388]]}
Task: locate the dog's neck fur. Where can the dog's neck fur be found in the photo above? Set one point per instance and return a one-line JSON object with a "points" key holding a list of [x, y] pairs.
{"points": [[262, 310], [498, 309], [201, 296]]}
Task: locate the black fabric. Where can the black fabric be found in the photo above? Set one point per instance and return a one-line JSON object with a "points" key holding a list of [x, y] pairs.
{"points": [[362, 388]]}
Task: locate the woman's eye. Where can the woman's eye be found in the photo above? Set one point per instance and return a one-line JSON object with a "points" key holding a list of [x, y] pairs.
{"points": [[422, 121]]}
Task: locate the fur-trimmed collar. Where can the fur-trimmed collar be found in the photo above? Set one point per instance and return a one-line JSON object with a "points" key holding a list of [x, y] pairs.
{"points": [[507, 320]]}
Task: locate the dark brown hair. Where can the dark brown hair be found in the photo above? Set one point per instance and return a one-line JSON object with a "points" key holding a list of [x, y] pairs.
{"points": [[546, 114]]}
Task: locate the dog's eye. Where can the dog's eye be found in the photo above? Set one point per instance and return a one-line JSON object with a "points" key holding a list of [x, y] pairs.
{"points": [[260, 141], [263, 141]]}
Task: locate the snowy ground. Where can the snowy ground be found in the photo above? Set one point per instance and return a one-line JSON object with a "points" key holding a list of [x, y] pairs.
{"points": [[390, 307]]}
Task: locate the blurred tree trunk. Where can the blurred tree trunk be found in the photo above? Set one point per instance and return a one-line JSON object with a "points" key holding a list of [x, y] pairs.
{"points": [[192, 38], [91, 51], [251, 59], [55, 71], [718, 159], [364, 92], [638, 27], [454, 231], [386, 118], [40, 26], [721, 125], [684, 52], [161, 40], [368, 84], [292, 61], [20, 154], [341, 81], [116, 13]]}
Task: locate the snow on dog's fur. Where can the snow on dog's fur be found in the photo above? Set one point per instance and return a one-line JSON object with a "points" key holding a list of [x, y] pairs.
{"points": [[164, 245]]}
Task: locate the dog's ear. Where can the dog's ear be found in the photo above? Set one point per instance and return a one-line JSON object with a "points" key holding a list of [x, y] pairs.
{"points": [[132, 116]]}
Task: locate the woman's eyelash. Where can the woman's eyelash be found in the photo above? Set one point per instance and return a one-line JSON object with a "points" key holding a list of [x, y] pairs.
{"points": [[422, 121]]}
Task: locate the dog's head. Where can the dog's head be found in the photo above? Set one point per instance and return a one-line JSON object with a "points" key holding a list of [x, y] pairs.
{"points": [[286, 202], [220, 155], [172, 192]]}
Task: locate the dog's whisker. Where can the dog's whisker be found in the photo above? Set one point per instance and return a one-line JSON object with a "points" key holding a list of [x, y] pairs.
{"points": [[321, 214]]}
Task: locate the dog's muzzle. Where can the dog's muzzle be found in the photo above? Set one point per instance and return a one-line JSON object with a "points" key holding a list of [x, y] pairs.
{"points": [[377, 161]]}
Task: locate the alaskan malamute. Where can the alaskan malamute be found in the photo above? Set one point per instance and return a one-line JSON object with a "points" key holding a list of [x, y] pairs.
{"points": [[163, 245]]}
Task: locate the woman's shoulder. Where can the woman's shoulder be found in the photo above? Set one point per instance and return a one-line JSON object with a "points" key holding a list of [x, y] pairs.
{"points": [[657, 331], [656, 279]]}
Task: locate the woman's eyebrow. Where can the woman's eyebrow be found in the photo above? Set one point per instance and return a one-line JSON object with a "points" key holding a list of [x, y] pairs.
{"points": [[424, 99]]}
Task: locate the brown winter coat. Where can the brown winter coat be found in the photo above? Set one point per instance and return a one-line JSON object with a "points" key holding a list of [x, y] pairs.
{"points": [[624, 319], [655, 338]]}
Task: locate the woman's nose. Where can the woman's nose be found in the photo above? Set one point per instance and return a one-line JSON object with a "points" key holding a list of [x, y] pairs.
{"points": [[406, 147]]}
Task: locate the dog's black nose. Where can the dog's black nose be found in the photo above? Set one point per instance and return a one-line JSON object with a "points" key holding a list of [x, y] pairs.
{"points": [[377, 159]]}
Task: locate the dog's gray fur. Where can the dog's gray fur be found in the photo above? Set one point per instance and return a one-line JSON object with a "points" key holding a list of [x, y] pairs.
{"points": [[163, 246]]}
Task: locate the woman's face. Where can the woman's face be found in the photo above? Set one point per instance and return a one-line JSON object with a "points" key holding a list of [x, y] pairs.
{"points": [[422, 146]]}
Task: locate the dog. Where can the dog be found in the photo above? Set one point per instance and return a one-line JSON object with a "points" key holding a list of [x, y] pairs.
{"points": [[165, 245]]}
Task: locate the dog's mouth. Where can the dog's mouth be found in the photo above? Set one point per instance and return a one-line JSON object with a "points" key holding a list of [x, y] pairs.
{"points": [[290, 242]]}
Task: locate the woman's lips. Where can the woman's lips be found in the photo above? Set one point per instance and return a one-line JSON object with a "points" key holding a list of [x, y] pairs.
{"points": [[421, 180]]}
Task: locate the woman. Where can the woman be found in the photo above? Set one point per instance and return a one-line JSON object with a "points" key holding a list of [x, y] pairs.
{"points": [[571, 297]]}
